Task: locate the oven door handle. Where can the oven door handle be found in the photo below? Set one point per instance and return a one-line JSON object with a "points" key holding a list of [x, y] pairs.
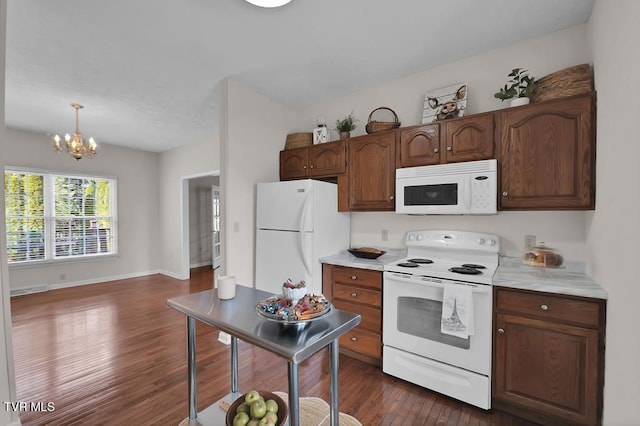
{"points": [[434, 282]]}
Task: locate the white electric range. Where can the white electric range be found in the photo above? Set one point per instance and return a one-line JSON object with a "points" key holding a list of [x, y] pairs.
{"points": [[415, 348]]}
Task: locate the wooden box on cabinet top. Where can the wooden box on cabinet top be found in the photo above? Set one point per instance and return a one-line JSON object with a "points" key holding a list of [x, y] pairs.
{"points": [[548, 363], [547, 155], [461, 139], [321, 160], [360, 291]]}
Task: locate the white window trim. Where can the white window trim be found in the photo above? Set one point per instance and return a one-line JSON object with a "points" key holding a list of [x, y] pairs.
{"points": [[49, 175]]}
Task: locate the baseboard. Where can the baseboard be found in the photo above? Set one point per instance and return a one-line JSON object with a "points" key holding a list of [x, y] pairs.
{"points": [[172, 275]]}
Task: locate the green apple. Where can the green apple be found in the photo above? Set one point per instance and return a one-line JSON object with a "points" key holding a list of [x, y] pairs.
{"points": [[251, 396], [265, 422], [244, 407], [271, 417], [258, 409], [272, 406], [241, 419], [253, 422]]}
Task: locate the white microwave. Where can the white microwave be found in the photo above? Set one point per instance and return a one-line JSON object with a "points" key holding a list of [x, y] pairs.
{"points": [[456, 188]]}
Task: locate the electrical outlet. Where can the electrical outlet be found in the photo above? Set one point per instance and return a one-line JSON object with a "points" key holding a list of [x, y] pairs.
{"points": [[224, 338], [529, 241], [385, 235]]}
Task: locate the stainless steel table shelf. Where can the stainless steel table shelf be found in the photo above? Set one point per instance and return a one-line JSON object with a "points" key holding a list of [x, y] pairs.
{"points": [[238, 318]]}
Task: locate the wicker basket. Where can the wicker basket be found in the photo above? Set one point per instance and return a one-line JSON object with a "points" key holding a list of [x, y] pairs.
{"points": [[380, 126], [298, 140], [570, 81]]}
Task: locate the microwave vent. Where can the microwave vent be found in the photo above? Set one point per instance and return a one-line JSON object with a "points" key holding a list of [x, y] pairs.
{"points": [[448, 169]]}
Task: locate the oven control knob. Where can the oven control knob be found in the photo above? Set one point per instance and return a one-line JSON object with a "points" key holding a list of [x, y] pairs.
{"points": [[420, 237], [481, 241], [492, 242], [411, 237]]}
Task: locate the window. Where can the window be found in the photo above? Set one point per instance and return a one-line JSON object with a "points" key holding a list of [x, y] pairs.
{"points": [[52, 216]]}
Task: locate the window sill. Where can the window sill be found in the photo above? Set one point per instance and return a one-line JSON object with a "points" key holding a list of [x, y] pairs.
{"points": [[52, 262]]}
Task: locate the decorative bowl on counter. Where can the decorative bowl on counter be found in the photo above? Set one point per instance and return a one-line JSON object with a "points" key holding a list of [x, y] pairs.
{"points": [[367, 252], [293, 291], [282, 407], [543, 256]]}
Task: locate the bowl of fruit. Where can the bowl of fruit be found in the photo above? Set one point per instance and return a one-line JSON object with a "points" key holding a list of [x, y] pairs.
{"points": [[257, 408]]}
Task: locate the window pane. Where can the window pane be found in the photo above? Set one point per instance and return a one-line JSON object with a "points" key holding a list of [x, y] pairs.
{"points": [[79, 222], [24, 210]]}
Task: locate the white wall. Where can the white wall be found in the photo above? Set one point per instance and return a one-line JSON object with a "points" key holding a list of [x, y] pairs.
{"points": [[253, 131], [138, 221], [485, 74], [7, 376], [176, 166], [613, 230]]}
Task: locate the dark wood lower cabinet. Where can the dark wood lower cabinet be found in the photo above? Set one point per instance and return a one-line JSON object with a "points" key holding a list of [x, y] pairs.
{"points": [[548, 357], [360, 291]]}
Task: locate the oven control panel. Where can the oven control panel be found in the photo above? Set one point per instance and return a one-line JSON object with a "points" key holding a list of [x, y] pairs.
{"points": [[461, 240]]}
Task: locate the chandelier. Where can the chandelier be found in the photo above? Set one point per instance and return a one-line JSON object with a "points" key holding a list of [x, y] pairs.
{"points": [[75, 144]]}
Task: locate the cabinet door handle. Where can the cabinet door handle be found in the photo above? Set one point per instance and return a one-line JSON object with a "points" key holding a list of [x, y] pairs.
{"points": [[501, 330], [435, 150], [505, 194], [354, 277], [448, 148], [354, 294], [391, 197], [304, 167], [353, 339], [311, 166], [544, 307]]}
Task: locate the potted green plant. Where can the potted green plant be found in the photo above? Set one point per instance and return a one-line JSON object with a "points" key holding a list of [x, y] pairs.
{"points": [[519, 87], [346, 125]]}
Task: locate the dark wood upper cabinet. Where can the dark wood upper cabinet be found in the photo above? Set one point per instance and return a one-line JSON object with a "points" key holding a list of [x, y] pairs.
{"points": [[547, 155], [419, 146], [468, 138], [448, 141], [371, 172], [321, 160]]}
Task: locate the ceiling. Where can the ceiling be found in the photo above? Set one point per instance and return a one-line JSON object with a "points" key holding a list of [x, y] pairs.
{"points": [[147, 71]]}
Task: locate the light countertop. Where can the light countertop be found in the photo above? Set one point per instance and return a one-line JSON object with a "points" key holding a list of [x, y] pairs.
{"points": [[344, 258], [568, 279]]}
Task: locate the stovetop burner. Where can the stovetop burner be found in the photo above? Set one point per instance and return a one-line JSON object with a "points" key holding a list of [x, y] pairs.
{"points": [[420, 260], [408, 264], [474, 266], [465, 270]]}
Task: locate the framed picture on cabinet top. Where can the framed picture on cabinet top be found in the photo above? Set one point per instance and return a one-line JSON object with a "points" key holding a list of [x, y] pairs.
{"points": [[448, 102], [320, 135]]}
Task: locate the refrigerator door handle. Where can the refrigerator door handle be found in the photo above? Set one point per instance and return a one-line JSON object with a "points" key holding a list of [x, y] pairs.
{"points": [[302, 233]]}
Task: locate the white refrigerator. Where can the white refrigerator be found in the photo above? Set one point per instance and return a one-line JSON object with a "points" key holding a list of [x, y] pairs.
{"points": [[297, 224]]}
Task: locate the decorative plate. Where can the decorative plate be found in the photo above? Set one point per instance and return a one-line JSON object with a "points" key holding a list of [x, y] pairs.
{"points": [[280, 309]]}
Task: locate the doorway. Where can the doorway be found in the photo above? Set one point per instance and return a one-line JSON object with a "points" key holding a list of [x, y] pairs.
{"points": [[201, 222]]}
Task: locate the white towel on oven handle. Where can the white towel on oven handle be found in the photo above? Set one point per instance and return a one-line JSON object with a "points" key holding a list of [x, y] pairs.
{"points": [[457, 310]]}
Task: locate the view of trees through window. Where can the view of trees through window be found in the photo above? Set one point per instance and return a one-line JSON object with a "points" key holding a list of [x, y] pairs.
{"points": [[52, 216]]}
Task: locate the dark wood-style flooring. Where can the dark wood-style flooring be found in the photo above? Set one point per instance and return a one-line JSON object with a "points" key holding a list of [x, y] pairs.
{"points": [[115, 354]]}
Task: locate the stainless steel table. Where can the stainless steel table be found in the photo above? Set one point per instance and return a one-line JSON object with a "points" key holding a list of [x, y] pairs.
{"points": [[238, 318]]}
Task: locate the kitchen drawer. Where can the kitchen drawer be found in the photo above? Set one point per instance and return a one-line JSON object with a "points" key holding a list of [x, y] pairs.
{"points": [[363, 277], [362, 341], [357, 295], [547, 306], [371, 317]]}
